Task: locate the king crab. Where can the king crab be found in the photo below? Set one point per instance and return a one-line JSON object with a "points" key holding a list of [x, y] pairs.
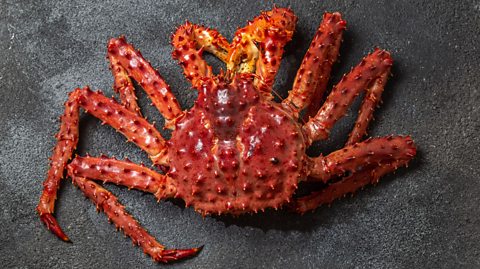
{"points": [[236, 151]]}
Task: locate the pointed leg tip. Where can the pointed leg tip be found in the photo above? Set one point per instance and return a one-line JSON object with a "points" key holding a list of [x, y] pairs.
{"points": [[171, 255], [52, 225], [197, 250], [187, 253]]}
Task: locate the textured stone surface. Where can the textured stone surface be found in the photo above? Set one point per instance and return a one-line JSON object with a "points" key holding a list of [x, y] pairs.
{"points": [[425, 216]]}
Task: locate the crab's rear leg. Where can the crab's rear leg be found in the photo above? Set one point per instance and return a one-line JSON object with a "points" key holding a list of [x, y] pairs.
{"points": [[107, 202], [83, 170], [123, 86], [258, 47], [134, 127], [370, 76], [189, 42], [373, 151], [366, 162], [349, 184], [371, 100], [314, 72], [124, 55]]}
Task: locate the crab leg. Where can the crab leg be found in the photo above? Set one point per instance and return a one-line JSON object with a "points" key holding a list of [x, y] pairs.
{"points": [[365, 115], [134, 127], [346, 185], [119, 51], [314, 73], [85, 169], [67, 142], [190, 41], [123, 86], [123, 173], [366, 162], [370, 75], [108, 203], [369, 152], [259, 45]]}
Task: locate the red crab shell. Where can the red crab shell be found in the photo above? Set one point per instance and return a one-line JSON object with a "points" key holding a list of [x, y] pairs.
{"points": [[236, 151]]}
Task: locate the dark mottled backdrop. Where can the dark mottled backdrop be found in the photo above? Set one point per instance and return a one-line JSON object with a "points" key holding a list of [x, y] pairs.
{"points": [[427, 215]]}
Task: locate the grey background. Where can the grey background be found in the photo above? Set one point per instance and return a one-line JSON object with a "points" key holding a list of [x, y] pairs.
{"points": [[425, 216]]}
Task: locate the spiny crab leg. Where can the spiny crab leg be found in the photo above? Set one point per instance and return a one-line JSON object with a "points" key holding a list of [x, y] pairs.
{"points": [[366, 162], [116, 212], [137, 129], [189, 42], [349, 184], [132, 176], [258, 47], [62, 152], [364, 76], [123, 86], [313, 75], [373, 151], [134, 127], [140, 70], [123, 173], [371, 100], [85, 169]]}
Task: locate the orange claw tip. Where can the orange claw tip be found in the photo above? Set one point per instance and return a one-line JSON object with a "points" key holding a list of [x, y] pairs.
{"points": [[171, 255], [53, 226]]}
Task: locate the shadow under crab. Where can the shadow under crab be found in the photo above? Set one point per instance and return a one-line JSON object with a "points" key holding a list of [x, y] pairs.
{"points": [[236, 151]]}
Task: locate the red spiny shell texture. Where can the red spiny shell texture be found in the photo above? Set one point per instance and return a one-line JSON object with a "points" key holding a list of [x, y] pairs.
{"points": [[235, 151]]}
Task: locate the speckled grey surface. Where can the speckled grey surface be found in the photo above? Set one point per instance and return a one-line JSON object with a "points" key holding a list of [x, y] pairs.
{"points": [[425, 216]]}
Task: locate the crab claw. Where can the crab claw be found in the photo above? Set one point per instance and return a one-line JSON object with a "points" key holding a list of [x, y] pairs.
{"points": [[53, 226], [170, 255]]}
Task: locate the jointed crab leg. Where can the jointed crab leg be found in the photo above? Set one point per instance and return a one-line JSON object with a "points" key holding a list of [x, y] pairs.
{"points": [[67, 142], [85, 169], [369, 75], [366, 162], [314, 73], [189, 42], [123, 173], [365, 115], [259, 45], [373, 151], [137, 67], [123, 86], [107, 202], [349, 184], [134, 127]]}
